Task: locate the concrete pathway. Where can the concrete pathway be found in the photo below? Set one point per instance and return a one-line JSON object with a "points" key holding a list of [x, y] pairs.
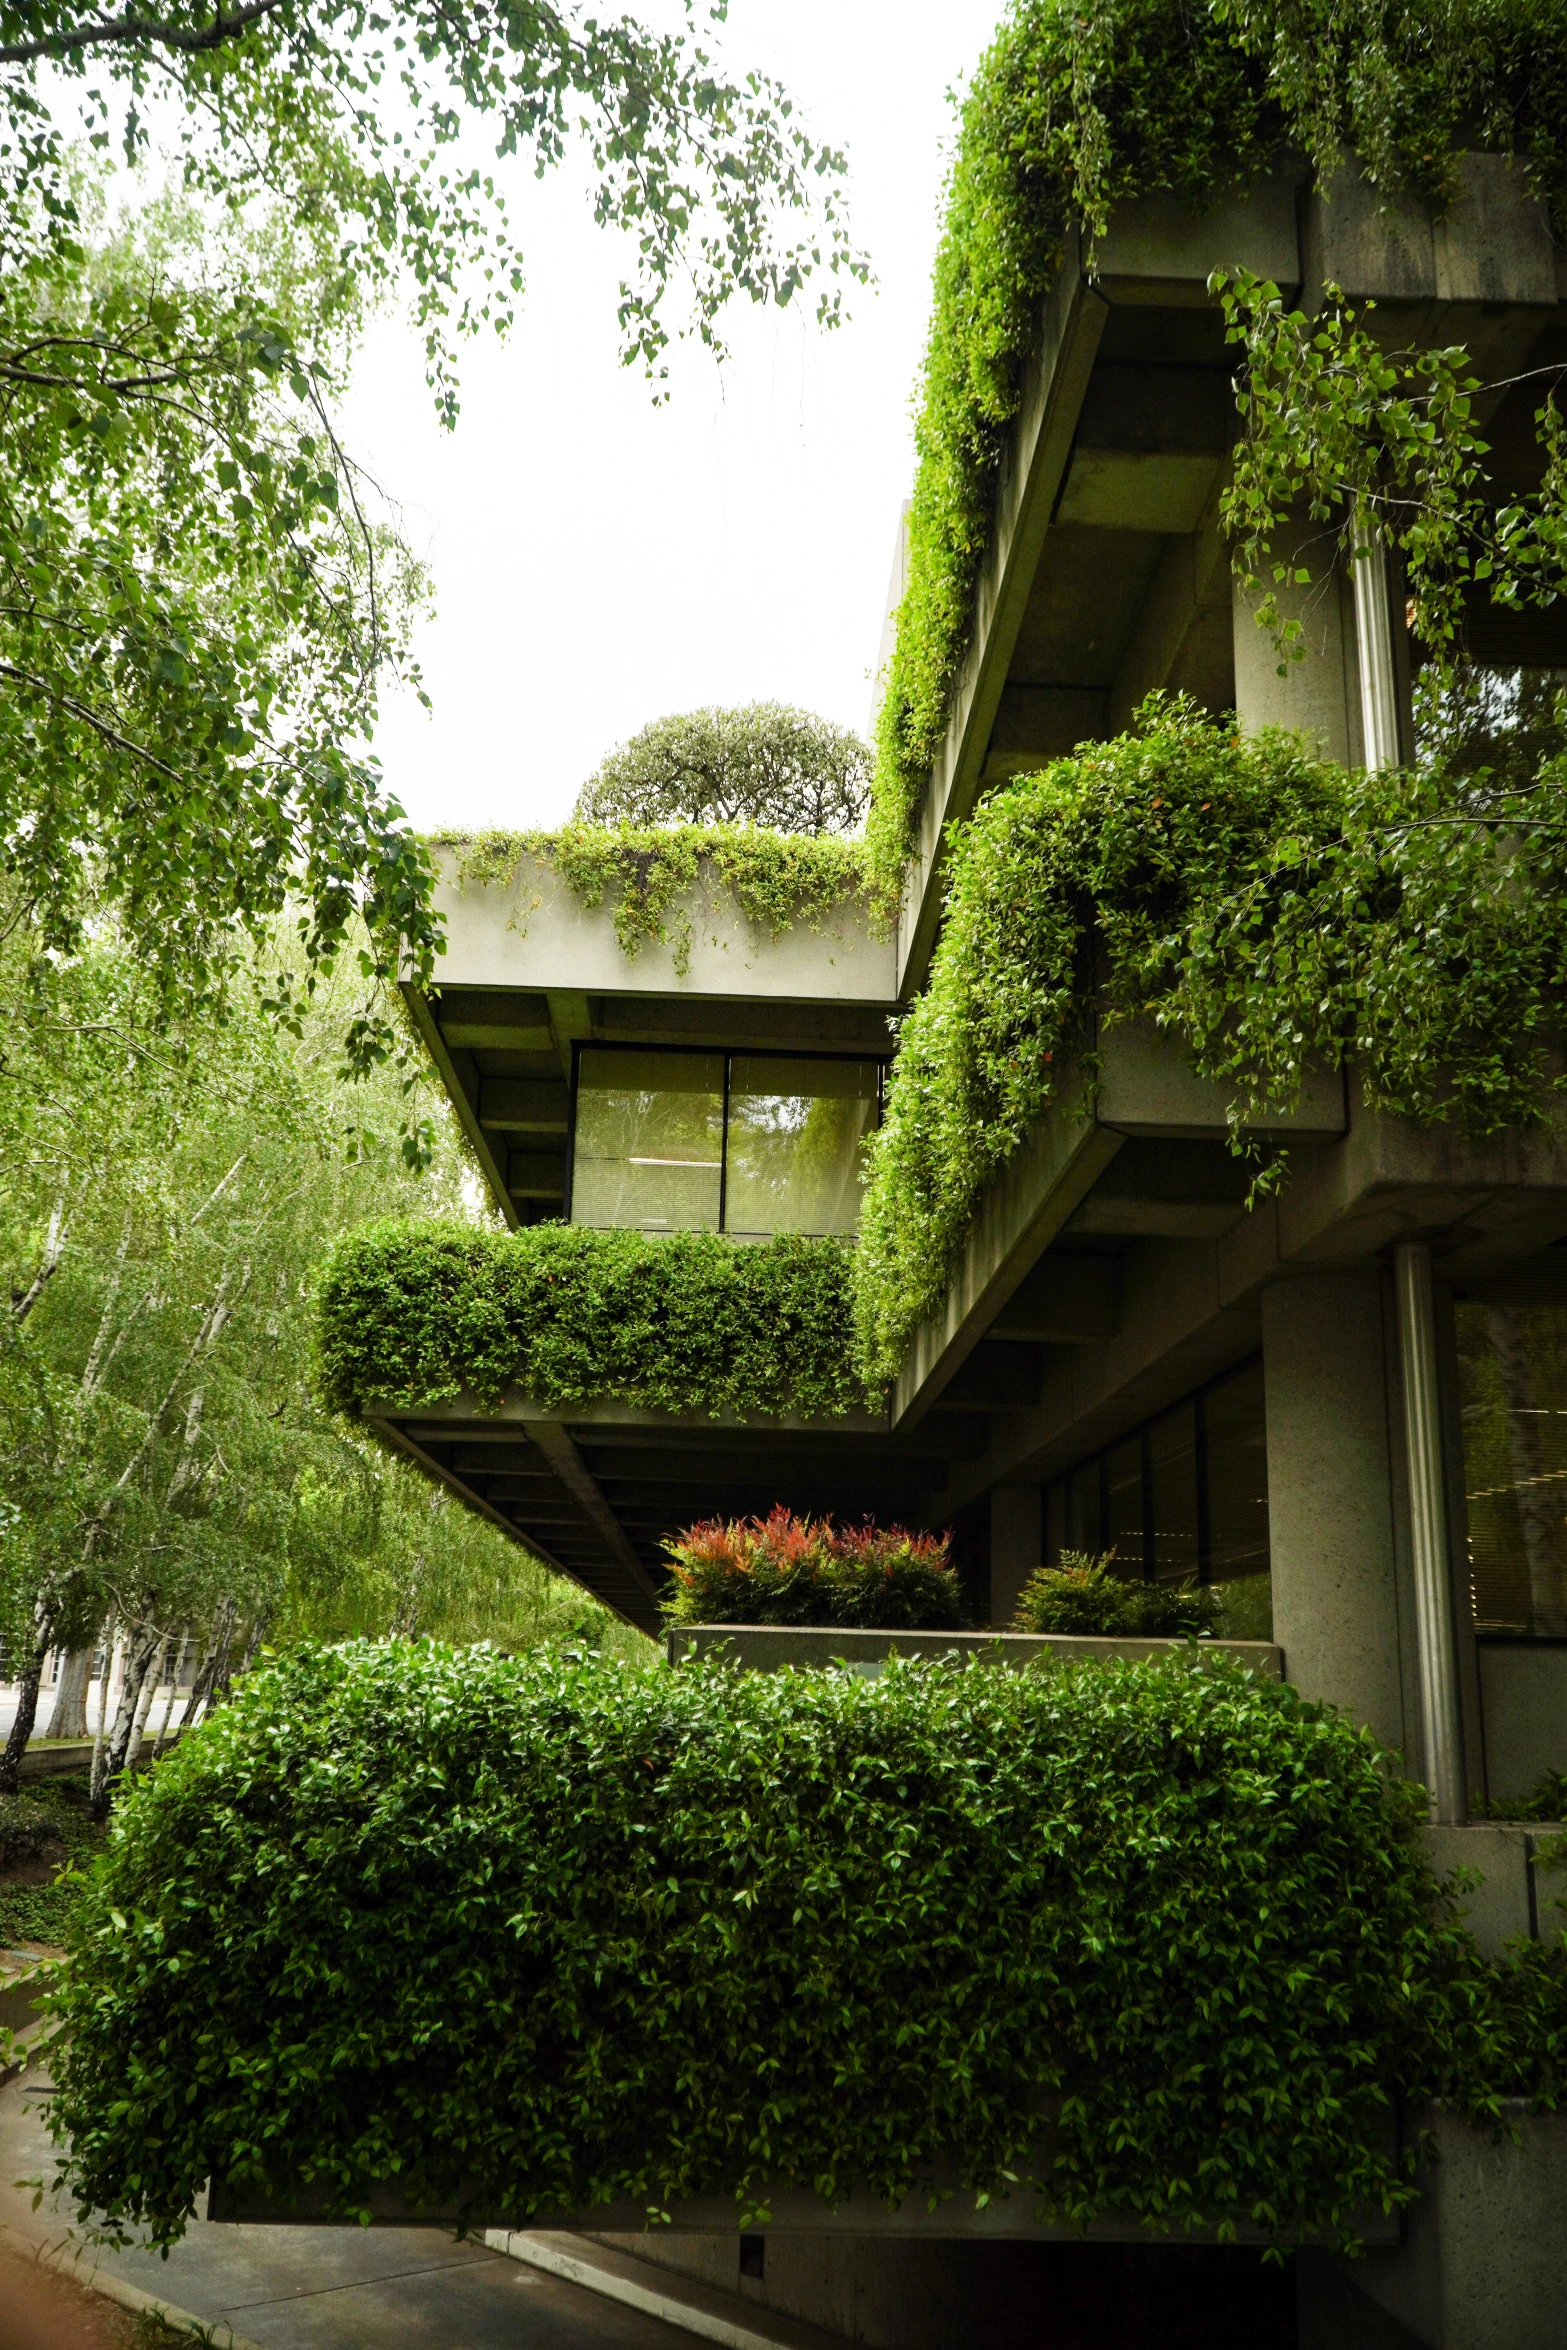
{"points": [[284, 2288]]}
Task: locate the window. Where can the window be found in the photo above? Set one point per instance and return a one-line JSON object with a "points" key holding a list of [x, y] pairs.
{"points": [[649, 1147], [748, 1143], [1513, 1384], [1182, 1499]]}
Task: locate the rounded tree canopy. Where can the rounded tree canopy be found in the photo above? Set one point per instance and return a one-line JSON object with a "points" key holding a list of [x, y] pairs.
{"points": [[764, 764]]}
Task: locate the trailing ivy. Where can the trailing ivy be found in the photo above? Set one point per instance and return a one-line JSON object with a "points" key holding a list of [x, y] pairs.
{"points": [[547, 1931], [1343, 429], [778, 879], [1269, 910], [1075, 109], [410, 1314]]}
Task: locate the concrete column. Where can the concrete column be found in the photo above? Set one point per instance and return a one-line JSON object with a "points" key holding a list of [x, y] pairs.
{"points": [[1330, 1495], [1017, 1533], [1318, 694]]}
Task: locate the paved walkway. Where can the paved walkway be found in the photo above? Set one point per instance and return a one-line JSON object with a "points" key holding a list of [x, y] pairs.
{"points": [[304, 2288]]}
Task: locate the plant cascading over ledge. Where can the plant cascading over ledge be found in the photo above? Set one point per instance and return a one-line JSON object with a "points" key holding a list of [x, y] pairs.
{"points": [[1267, 909], [1074, 109]]}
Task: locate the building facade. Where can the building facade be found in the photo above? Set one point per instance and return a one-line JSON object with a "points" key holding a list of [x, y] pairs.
{"points": [[1344, 1401]]}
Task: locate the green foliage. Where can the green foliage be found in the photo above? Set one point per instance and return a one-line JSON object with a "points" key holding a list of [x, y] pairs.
{"points": [[168, 1190], [51, 1821], [410, 1313], [647, 1935], [764, 764], [1338, 426], [776, 878], [198, 602], [1074, 110], [1546, 1800], [787, 1570], [1267, 910], [703, 170], [201, 595], [1083, 1595]]}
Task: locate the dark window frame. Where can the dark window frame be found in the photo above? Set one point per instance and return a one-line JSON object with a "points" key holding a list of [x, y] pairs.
{"points": [[1142, 1431]]}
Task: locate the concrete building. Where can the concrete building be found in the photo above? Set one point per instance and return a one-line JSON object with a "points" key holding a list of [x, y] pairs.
{"points": [[1347, 1402]]}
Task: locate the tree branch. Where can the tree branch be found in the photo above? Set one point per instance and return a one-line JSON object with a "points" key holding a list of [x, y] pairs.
{"points": [[124, 31]]}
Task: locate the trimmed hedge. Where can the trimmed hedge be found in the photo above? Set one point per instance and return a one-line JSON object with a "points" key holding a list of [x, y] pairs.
{"points": [[550, 1930], [409, 1313]]}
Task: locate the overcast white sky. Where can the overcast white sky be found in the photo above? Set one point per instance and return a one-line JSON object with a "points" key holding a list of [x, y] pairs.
{"points": [[598, 561]]}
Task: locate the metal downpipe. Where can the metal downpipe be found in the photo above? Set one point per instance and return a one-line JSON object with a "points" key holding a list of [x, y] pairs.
{"points": [[1439, 1713]]}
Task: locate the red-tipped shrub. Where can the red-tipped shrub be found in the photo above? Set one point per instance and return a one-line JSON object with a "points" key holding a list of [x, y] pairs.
{"points": [[787, 1570]]}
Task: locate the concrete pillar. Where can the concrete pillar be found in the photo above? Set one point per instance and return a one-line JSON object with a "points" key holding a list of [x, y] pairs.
{"points": [[1017, 1533], [1331, 1496], [1320, 693]]}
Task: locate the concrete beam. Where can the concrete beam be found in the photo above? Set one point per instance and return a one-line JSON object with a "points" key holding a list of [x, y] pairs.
{"points": [[1037, 723], [534, 934], [1155, 252], [1146, 1089], [1188, 604], [608, 1421], [1069, 1301], [564, 1458], [1024, 1208], [517, 1105], [1190, 1309]]}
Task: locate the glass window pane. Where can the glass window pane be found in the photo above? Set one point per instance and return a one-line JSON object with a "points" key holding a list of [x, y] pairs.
{"points": [[796, 1131], [649, 1140], [1236, 1448], [1055, 1522], [1084, 1528], [1513, 1383], [1174, 1556], [1124, 1532]]}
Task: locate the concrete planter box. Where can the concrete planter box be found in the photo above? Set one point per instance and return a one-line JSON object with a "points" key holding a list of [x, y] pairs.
{"points": [[764, 1648]]}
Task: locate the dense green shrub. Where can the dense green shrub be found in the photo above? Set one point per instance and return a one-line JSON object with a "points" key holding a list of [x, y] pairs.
{"points": [[763, 764], [539, 1931], [683, 1321], [1074, 109], [1083, 1595], [51, 1821], [645, 872], [787, 1570], [1270, 911]]}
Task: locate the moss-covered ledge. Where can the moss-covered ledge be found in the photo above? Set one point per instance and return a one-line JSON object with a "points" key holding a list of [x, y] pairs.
{"points": [[646, 875], [410, 1314]]}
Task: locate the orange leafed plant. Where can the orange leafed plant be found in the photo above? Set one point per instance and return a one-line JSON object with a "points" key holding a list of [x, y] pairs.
{"points": [[784, 1569]]}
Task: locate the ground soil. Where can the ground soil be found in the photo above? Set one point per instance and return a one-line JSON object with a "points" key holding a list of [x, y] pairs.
{"points": [[42, 2311]]}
